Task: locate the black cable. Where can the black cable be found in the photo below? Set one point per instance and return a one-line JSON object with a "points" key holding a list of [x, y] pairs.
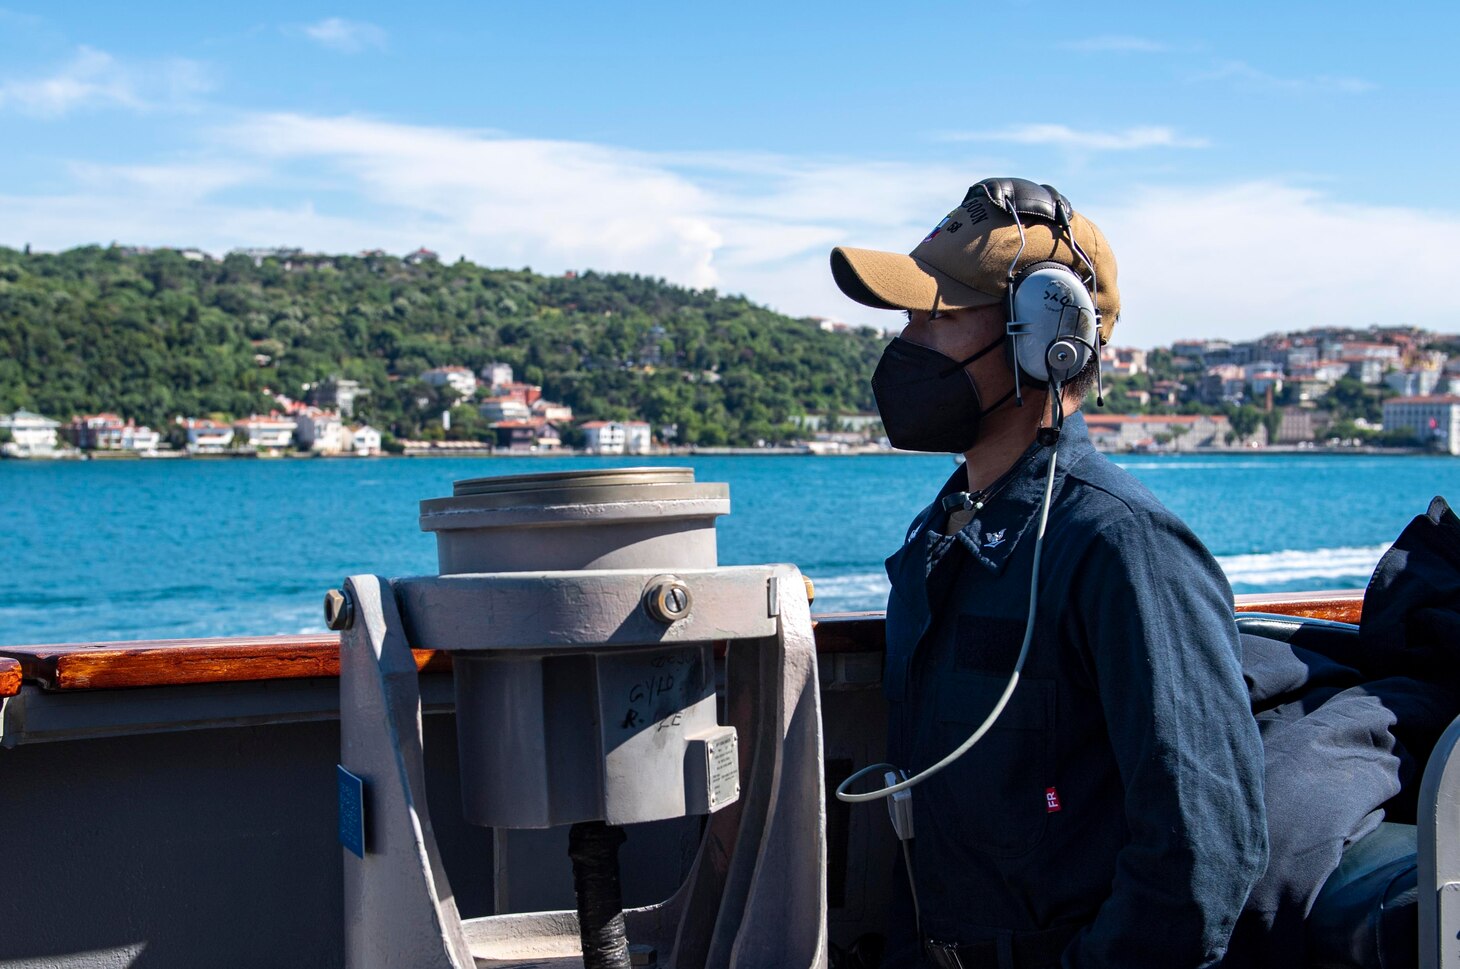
{"points": [[593, 846]]}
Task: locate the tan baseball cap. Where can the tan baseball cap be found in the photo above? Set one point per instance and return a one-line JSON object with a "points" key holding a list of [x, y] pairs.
{"points": [[964, 262]]}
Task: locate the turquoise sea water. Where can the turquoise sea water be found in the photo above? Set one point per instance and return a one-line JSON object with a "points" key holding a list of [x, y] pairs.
{"points": [[165, 549]]}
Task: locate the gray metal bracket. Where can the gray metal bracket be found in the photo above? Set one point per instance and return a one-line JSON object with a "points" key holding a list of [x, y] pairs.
{"points": [[1439, 855], [547, 610], [756, 895]]}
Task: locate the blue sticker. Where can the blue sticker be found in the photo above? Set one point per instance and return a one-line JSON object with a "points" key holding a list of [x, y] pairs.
{"points": [[352, 811]]}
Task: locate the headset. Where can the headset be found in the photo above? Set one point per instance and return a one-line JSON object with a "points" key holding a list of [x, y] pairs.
{"points": [[1054, 320]]}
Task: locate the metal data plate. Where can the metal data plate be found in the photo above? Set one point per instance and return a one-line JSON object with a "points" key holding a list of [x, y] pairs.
{"points": [[722, 766]]}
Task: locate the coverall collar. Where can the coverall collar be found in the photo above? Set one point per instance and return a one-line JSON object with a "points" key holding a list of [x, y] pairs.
{"points": [[995, 531]]}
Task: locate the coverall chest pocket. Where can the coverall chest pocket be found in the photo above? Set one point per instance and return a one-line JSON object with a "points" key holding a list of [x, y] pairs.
{"points": [[1001, 787]]}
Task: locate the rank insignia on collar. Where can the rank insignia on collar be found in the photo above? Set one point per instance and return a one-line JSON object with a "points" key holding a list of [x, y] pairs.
{"points": [[994, 539]]}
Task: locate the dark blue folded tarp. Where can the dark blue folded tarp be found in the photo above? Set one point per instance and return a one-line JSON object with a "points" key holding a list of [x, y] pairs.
{"points": [[1347, 724]]}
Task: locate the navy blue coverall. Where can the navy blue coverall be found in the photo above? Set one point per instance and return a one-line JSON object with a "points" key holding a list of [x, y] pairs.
{"points": [[1113, 817]]}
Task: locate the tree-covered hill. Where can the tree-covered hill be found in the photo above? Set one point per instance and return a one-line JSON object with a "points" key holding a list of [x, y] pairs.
{"points": [[152, 335]]}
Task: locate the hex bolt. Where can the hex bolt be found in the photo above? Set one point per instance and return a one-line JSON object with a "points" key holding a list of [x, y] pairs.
{"points": [[668, 600], [339, 611]]}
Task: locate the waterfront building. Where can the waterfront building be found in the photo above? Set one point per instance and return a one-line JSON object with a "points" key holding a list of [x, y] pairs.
{"points": [[1152, 432], [1433, 419], [108, 432], [617, 437], [638, 438], [205, 436], [532, 434], [320, 431], [1302, 424], [459, 380], [864, 424], [363, 440], [266, 433], [30, 434]]}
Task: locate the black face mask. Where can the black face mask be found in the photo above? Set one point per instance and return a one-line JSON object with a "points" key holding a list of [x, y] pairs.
{"points": [[928, 402]]}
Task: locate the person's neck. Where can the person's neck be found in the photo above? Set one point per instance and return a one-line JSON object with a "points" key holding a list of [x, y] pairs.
{"points": [[1006, 435]]}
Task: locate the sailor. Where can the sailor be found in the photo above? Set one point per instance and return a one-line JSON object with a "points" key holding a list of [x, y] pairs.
{"points": [[1112, 816]]}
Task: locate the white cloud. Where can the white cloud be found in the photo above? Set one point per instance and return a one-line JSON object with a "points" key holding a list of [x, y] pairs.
{"points": [[725, 221], [1233, 260], [1116, 44], [1063, 136], [346, 36], [186, 182], [1257, 257], [1245, 76], [95, 79]]}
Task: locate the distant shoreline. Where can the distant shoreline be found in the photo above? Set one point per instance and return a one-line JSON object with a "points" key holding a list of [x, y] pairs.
{"points": [[1272, 451]]}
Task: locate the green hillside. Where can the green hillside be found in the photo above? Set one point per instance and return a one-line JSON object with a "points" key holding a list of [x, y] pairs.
{"points": [[153, 335]]}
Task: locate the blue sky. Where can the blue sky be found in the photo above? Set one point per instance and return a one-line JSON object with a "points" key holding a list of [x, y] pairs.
{"points": [[1255, 168]]}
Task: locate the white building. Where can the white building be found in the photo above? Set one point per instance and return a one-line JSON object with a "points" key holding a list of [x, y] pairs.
{"points": [[1413, 383], [1369, 370], [638, 438], [29, 433], [553, 413], [497, 374], [363, 440], [1432, 419], [271, 433], [505, 409], [460, 380], [320, 431], [205, 436], [617, 437]]}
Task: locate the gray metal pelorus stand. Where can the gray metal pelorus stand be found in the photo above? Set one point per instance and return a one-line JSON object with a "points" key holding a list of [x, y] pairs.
{"points": [[582, 611]]}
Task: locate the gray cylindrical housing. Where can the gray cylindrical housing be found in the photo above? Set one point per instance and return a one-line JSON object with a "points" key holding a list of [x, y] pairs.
{"points": [[571, 734], [621, 518]]}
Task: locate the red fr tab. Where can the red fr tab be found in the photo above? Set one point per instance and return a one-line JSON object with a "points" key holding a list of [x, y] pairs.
{"points": [[1051, 800]]}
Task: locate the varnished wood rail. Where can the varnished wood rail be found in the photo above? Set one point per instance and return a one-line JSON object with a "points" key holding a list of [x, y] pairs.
{"points": [[9, 677], [1346, 606], [175, 662]]}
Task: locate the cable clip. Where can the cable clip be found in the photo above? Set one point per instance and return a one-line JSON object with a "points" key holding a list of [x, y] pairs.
{"points": [[899, 805]]}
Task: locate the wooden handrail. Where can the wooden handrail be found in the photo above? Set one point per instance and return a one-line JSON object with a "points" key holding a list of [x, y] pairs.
{"points": [[1345, 606], [9, 677], [175, 662]]}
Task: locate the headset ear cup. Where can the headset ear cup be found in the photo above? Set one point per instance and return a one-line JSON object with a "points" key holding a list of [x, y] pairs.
{"points": [[1052, 320]]}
